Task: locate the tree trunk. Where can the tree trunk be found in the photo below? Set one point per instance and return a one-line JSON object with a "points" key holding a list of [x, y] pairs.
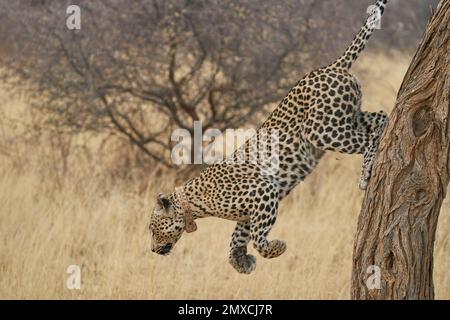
{"points": [[396, 228]]}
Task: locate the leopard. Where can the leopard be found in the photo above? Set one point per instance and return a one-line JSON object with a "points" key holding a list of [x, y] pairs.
{"points": [[322, 112]]}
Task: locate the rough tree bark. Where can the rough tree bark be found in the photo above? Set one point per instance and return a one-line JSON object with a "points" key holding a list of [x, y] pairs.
{"points": [[397, 224]]}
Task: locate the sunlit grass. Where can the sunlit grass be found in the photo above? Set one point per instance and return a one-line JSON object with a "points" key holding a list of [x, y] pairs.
{"points": [[102, 227]]}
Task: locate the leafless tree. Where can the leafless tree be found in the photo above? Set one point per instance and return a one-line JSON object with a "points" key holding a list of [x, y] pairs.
{"points": [[137, 70], [399, 215]]}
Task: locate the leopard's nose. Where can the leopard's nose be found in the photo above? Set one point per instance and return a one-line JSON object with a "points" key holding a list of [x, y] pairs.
{"points": [[166, 249]]}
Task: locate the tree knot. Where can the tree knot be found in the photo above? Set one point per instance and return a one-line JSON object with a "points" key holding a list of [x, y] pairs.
{"points": [[421, 121]]}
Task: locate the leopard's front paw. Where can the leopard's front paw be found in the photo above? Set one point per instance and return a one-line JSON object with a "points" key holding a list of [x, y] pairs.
{"points": [[241, 261], [275, 248]]}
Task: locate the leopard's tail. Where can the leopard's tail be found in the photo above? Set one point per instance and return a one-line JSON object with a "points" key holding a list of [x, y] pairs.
{"points": [[359, 43]]}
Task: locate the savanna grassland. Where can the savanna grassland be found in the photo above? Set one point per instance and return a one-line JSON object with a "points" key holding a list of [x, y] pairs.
{"points": [[100, 224]]}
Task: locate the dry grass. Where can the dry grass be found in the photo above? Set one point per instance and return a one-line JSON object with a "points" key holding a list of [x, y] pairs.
{"points": [[101, 226]]}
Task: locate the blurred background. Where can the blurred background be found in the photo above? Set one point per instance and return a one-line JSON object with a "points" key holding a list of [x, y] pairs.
{"points": [[86, 118]]}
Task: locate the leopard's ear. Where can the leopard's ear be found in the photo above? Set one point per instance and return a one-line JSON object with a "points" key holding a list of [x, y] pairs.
{"points": [[164, 201], [190, 225]]}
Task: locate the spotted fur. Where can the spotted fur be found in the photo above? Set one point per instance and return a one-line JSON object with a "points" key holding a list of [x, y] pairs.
{"points": [[322, 112]]}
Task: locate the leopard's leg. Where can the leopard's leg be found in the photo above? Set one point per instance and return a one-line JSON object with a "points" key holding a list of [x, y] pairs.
{"points": [[369, 121], [239, 259], [345, 134], [261, 224], [373, 123]]}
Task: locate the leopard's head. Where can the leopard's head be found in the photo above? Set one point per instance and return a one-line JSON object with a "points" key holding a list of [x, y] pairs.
{"points": [[167, 224]]}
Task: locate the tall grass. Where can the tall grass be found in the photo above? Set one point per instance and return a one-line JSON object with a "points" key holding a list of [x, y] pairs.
{"points": [[100, 224]]}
